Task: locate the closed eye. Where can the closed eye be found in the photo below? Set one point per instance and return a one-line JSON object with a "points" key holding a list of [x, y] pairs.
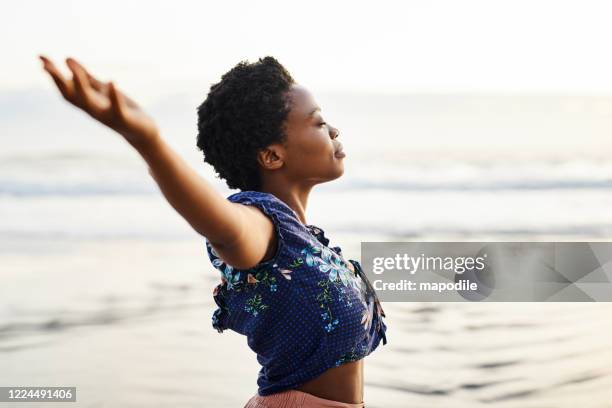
{"points": [[322, 123]]}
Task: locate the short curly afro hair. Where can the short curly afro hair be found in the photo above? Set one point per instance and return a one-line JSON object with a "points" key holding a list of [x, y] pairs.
{"points": [[243, 113]]}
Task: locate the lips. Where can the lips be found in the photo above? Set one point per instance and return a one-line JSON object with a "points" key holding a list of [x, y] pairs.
{"points": [[339, 152]]}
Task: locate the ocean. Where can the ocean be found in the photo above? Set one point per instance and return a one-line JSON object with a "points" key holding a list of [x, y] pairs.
{"points": [[106, 288]]}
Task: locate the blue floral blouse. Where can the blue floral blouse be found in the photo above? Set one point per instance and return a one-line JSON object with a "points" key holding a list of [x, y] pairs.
{"points": [[303, 311]]}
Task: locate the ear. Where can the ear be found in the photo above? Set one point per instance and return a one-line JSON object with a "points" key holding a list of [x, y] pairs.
{"points": [[271, 157]]}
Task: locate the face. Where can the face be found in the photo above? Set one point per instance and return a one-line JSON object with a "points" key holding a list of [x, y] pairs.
{"points": [[312, 152]]}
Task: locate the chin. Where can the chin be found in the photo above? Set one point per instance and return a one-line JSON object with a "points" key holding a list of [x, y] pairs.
{"points": [[332, 173], [339, 172]]}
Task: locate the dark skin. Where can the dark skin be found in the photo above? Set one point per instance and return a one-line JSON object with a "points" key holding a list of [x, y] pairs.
{"points": [[290, 173], [241, 234]]}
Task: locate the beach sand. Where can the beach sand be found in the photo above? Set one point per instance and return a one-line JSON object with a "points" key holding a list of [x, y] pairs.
{"points": [[128, 323]]}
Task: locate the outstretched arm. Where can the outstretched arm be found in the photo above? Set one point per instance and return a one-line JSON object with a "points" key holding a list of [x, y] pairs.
{"points": [[242, 235]]}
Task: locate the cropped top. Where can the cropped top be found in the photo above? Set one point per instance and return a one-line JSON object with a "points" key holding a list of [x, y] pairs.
{"points": [[304, 310]]}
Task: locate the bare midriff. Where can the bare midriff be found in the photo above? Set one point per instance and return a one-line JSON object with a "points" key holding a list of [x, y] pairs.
{"points": [[343, 383]]}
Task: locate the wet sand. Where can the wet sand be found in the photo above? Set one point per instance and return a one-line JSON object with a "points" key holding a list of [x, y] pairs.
{"points": [[128, 323]]}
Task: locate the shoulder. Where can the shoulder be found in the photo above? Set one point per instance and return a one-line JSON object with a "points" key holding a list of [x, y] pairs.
{"points": [[289, 231], [255, 197], [269, 204]]}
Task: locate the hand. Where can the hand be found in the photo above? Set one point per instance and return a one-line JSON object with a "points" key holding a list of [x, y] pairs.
{"points": [[105, 103]]}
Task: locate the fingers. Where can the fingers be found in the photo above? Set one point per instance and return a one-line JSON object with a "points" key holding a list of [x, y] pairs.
{"points": [[64, 86], [118, 102], [93, 81], [81, 83], [87, 92]]}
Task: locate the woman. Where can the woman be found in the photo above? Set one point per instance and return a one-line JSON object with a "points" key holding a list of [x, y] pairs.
{"points": [[309, 314]]}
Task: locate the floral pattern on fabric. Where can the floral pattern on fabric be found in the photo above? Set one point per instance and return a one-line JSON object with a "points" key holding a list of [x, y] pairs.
{"points": [[303, 311]]}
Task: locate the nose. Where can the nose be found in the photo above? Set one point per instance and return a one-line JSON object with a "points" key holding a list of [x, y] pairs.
{"points": [[334, 133]]}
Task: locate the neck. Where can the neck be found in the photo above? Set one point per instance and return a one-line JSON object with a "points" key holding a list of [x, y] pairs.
{"points": [[295, 196]]}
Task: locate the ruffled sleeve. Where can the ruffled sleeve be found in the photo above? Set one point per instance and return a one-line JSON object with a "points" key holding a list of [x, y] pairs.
{"points": [[236, 282]]}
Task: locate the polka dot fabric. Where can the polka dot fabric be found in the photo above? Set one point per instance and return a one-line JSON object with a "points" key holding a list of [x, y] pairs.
{"points": [[303, 311]]}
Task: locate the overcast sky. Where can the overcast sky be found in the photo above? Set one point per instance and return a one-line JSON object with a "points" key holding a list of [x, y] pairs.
{"points": [[155, 48]]}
